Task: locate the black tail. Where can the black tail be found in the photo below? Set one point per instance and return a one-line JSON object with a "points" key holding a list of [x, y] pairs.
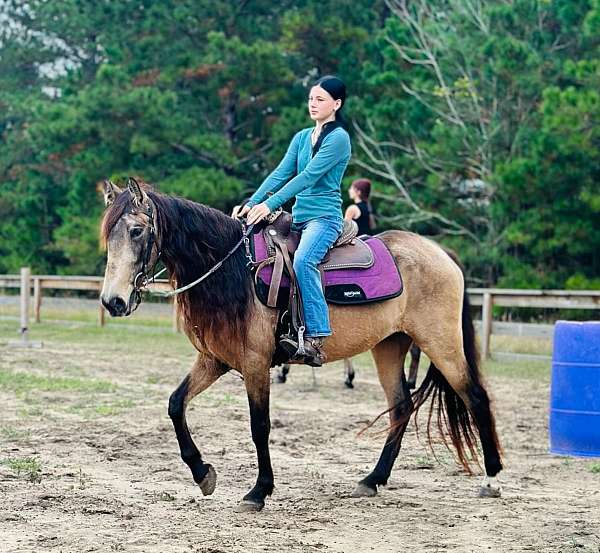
{"points": [[453, 418]]}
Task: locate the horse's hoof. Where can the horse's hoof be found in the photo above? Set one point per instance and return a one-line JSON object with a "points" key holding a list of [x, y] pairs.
{"points": [[247, 506], [486, 491], [349, 384], [362, 490], [490, 488], [209, 482]]}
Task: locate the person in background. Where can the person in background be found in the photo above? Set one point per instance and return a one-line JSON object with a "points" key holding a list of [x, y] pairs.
{"points": [[361, 210], [362, 213]]}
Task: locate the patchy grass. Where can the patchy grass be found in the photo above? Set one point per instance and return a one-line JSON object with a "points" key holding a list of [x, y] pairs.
{"points": [[23, 382], [120, 341], [595, 468], [90, 409], [424, 462], [28, 468], [30, 412], [529, 369], [78, 310], [52, 382], [68, 389], [166, 496], [13, 434], [521, 344], [216, 399]]}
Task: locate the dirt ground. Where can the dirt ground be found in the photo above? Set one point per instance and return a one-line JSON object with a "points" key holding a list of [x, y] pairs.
{"points": [[89, 461]]}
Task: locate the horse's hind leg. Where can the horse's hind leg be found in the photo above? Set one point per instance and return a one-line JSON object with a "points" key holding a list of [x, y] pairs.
{"points": [[389, 358], [415, 356], [457, 364], [479, 404], [205, 371], [349, 372], [282, 374]]}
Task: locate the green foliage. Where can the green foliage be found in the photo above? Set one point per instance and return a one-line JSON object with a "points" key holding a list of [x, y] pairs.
{"points": [[28, 468], [206, 185], [483, 116], [480, 119]]}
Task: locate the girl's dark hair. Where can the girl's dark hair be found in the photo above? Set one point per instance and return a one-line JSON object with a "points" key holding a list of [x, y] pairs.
{"points": [[337, 90]]}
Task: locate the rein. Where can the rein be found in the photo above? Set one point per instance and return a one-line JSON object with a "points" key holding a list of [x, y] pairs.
{"points": [[246, 230]]}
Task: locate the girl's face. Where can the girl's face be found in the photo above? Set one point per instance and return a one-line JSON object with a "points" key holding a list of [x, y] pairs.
{"points": [[321, 105], [352, 193]]}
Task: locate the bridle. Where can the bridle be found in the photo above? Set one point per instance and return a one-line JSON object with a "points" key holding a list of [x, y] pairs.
{"points": [[142, 280]]}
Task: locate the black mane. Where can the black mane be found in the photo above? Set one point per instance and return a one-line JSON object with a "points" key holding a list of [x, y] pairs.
{"points": [[193, 238]]}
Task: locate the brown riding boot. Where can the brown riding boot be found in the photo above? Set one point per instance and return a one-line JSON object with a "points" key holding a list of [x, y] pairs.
{"points": [[314, 355], [313, 350]]}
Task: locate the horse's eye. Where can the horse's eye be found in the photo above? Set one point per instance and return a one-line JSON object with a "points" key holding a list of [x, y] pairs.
{"points": [[136, 232]]}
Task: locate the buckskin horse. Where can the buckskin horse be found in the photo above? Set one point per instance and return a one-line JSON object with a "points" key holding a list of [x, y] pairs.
{"points": [[232, 330]]}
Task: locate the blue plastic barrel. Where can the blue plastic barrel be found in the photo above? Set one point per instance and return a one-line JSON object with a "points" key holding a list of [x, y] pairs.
{"points": [[575, 389]]}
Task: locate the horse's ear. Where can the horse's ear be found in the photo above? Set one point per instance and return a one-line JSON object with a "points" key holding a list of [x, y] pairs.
{"points": [[137, 194], [110, 191]]}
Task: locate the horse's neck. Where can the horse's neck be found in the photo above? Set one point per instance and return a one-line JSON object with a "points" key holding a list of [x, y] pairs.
{"points": [[179, 250]]}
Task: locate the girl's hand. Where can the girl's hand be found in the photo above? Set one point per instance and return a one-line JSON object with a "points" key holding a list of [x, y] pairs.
{"points": [[239, 211], [257, 213]]}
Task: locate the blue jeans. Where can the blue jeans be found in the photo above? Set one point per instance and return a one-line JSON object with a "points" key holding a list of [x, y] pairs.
{"points": [[318, 235]]}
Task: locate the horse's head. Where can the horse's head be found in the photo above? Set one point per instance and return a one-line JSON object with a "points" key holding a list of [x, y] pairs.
{"points": [[129, 233]]}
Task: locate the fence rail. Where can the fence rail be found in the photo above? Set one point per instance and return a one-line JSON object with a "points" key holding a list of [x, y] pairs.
{"points": [[486, 298], [75, 283]]}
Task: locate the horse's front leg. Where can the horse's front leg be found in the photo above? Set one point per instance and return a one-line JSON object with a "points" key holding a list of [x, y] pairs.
{"points": [[205, 371], [257, 386]]}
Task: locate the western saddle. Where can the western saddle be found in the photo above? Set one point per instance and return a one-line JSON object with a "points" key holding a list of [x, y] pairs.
{"points": [[348, 252]]}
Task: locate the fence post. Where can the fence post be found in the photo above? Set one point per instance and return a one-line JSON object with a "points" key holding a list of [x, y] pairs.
{"points": [[176, 327], [25, 291], [37, 298], [486, 324], [101, 311]]}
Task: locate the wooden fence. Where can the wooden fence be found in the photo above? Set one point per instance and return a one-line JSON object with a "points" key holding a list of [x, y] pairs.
{"points": [[486, 298], [76, 283], [554, 299]]}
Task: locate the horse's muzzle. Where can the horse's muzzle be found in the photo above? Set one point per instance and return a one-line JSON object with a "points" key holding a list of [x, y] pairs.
{"points": [[116, 306]]}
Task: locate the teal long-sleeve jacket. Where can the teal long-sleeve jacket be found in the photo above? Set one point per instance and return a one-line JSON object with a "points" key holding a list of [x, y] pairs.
{"points": [[317, 181]]}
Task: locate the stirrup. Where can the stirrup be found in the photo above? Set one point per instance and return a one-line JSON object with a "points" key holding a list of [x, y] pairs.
{"points": [[294, 347], [312, 355], [289, 345]]}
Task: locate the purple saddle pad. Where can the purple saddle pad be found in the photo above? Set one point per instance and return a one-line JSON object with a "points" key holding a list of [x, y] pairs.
{"points": [[379, 282]]}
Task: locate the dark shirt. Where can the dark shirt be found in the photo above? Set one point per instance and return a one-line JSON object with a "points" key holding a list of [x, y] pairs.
{"points": [[363, 220]]}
